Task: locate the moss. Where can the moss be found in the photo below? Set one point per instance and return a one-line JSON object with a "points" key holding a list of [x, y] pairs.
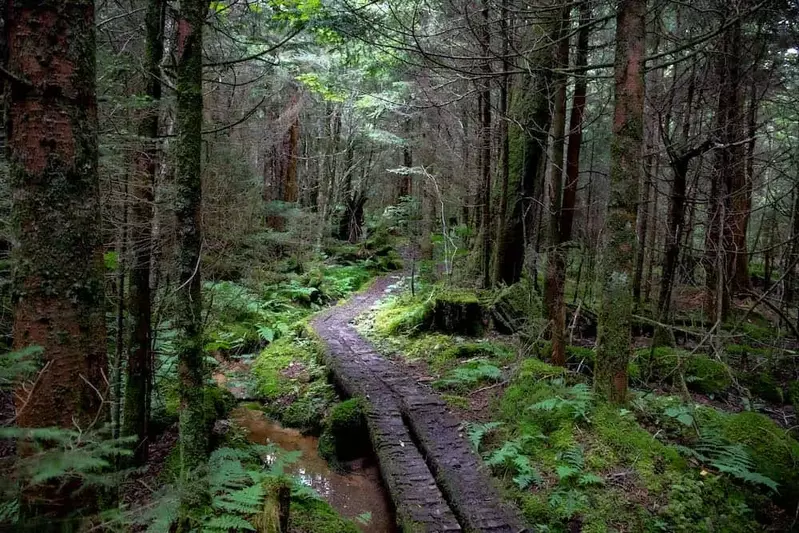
{"points": [[532, 369], [636, 446], [763, 385], [307, 411], [707, 375], [532, 385], [272, 362], [793, 394], [775, 454], [479, 349], [702, 373], [346, 435], [316, 516], [458, 312], [453, 400], [218, 403], [514, 306], [402, 316]]}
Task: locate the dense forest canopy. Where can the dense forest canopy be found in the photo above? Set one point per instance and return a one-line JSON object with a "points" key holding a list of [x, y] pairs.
{"points": [[539, 258]]}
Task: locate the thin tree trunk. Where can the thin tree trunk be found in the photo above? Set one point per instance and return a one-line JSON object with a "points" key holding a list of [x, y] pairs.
{"points": [[59, 303], [504, 94], [614, 336], [139, 370], [556, 256], [191, 366], [485, 153]]}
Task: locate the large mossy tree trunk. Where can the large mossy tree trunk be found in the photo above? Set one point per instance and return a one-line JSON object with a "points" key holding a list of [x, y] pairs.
{"points": [[139, 369], [615, 316], [528, 144], [188, 202], [59, 302]]}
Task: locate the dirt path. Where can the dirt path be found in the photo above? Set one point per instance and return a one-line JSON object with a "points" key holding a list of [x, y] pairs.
{"points": [[436, 481]]}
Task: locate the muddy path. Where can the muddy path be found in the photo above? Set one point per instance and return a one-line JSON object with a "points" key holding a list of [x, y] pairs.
{"points": [[436, 481]]}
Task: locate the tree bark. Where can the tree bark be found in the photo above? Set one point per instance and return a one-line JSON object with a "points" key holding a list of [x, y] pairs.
{"points": [[191, 369], [532, 107], [614, 338], [485, 153], [556, 256], [58, 297], [139, 370]]}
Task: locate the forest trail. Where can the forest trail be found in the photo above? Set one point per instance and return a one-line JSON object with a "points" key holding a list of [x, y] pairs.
{"points": [[436, 481]]}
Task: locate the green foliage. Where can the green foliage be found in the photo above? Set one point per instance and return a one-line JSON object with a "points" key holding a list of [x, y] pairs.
{"points": [[18, 365], [468, 375], [728, 458], [270, 365], [763, 385], [483, 349], [403, 316], [516, 307], [238, 482], [773, 452], [477, 431], [511, 457], [702, 373], [346, 435], [576, 401], [793, 394], [60, 456]]}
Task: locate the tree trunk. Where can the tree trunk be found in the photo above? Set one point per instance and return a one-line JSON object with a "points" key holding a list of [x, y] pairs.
{"points": [[533, 105], [191, 367], [59, 303], [139, 371], [614, 340], [485, 153], [727, 236], [504, 137], [556, 257]]}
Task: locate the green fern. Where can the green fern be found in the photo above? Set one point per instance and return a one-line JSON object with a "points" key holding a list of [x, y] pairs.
{"points": [[510, 457], [576, 401], [728, 458], [476, 432], [469, 374]]}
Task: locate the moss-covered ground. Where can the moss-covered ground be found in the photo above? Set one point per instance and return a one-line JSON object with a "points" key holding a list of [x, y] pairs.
{"points": [[689, 452]]}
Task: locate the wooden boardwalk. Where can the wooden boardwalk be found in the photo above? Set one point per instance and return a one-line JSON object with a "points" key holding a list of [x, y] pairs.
{"points": [[437, 482]]}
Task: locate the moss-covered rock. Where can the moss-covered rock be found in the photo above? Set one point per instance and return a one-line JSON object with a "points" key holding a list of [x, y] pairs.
{"points": [[774, 453], [707, 375], [702, 373], [346, 435], [763, 385], [458, 313], [793, 394]]}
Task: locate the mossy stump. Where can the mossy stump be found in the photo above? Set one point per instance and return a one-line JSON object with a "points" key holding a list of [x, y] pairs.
{"points": [[346, 435], [458, 313]]}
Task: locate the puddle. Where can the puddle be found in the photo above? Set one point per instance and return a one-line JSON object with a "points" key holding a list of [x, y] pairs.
{"points": [[351, 494]]}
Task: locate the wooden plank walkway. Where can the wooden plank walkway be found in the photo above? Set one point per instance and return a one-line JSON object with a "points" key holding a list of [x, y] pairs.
{"points": [[437, 482]]}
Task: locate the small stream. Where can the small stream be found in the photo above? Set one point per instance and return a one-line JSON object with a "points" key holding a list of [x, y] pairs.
{"points": [[351, 494]]}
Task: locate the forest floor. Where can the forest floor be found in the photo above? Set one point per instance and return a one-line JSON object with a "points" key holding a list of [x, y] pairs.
{"points": [[434, 475]]}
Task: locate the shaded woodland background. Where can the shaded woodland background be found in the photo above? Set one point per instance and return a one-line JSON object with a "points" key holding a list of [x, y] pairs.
{"points": [[631, 167]]}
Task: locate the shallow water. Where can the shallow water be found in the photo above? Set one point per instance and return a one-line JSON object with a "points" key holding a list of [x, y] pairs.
{"points": [[352, 494]]}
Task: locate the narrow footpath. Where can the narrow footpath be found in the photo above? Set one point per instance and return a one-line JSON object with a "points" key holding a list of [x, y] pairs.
{"points": [[436, 481]]}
